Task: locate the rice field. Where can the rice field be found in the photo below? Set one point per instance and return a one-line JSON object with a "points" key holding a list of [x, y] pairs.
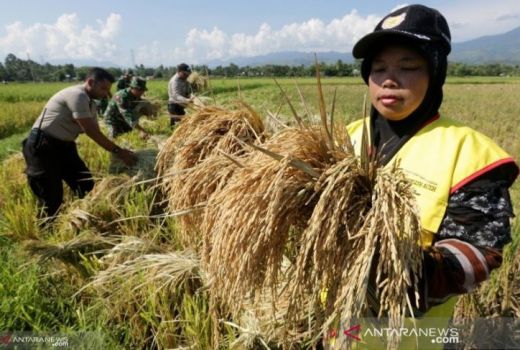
{"points": [[121, 265]]}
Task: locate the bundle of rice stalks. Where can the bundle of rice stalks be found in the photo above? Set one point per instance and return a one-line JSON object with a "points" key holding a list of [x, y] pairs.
{"points": [[192, 190], [362, 232], [73, 252], [97, 209], [104, 208], [143, 169], [256, 220], [360, 248], [200, 102], [146, 294], [198, 82], [191, 162], [248, 223], [129, 248], [201, 134], [262, 321], [148, 108]]}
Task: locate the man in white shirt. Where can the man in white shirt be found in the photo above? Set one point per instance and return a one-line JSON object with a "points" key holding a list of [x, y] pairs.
{"points": [[179, 93]]}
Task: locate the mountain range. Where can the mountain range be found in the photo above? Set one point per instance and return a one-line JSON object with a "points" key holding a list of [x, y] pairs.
{"points": [[500, 48]]}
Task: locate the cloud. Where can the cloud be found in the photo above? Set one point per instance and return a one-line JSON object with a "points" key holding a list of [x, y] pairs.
{"points": [[469, 19], [509, 16], [64, 39], [314, 34]]}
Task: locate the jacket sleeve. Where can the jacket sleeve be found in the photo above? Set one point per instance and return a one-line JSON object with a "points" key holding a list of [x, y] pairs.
{"points": [[469, 243]]}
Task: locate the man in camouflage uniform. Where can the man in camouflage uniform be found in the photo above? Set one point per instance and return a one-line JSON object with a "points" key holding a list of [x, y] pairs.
{"points": [[125, 80], [122, 114]]}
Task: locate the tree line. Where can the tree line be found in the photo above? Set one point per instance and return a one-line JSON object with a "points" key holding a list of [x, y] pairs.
{"points": [[16, 69]]}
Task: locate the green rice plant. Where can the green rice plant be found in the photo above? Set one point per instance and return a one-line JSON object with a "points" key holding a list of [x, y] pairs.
{"points": [[18, 92], [31, 299], [19, 207], [11, 144], [17, 117]]}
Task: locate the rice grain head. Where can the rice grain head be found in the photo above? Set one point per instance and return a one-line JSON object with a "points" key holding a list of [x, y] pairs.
{"points": [[249, 221], [200, 134], [191, 165], [383, 257]]}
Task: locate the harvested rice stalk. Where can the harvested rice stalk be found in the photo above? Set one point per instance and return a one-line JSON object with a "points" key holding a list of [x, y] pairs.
{"points": [[143, 169], [199, 135], [105, 208], [169, 270], [199, 83], [248, 222], [99, 208], [344, 200], [74, 251], [148, 108], [129, 248], [192, 165], [263, 319], [194, 187], [200, 102], [364, 252], [147, 293], [70, 252]]}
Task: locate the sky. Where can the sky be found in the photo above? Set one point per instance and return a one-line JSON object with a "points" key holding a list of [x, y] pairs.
{"points": [[154, 32]]}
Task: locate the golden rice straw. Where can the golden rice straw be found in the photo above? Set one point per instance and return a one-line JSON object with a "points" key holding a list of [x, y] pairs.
{"points": [[199, 83], [263, 318], [197, 166], [391, 241], [98, 208], [200, 134], [74, 251], [249, 221], [194, 187], [355, 225], [129, 248], [168, 270]]}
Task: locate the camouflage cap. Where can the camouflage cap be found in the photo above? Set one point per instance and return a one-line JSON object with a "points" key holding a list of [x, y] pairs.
{"points": [[138, 83]]}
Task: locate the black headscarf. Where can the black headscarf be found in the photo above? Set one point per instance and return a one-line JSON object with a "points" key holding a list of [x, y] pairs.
{"points": [[389, 136]]}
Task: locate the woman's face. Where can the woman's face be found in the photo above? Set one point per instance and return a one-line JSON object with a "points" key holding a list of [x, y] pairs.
{"points": [[398, 81]]}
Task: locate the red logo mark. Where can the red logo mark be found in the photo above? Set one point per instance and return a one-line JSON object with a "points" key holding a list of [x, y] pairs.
{"points": [[5, 339], [356, 328]]}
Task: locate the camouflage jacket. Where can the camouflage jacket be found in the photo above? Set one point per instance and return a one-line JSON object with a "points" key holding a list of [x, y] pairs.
{"points": [[122, 109]]}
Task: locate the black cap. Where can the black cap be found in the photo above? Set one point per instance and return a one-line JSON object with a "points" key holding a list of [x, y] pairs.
{"points": [[415, 23], [183, 67]]}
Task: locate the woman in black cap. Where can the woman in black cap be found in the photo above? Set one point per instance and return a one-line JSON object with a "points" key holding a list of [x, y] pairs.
{"points": [[460, 176]]}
